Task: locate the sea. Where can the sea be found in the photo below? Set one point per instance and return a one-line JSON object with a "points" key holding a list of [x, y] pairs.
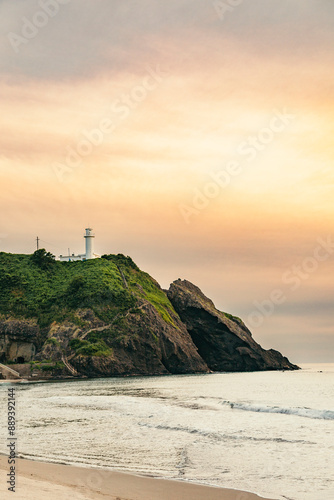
{"points": [[267, 432]]}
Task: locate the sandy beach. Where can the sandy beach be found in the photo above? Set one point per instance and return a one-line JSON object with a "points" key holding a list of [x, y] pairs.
{"points": [[38, 481]]}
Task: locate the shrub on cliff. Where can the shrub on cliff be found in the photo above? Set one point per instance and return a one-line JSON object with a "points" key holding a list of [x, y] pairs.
{"points": [[86, 348]]}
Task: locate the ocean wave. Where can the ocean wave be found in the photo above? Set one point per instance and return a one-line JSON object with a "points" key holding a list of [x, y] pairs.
{"points": [[216, 436], [300, 412]]}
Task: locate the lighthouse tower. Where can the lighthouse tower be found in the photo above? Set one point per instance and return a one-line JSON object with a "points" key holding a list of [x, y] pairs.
{"points": [[89, 237]]}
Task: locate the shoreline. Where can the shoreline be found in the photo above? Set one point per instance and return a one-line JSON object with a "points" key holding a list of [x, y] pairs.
{"points": [[37, 480], [139, 375]]}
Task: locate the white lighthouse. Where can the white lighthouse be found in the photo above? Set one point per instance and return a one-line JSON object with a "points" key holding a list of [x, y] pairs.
{"points": [[89, 237], [89, 240]]}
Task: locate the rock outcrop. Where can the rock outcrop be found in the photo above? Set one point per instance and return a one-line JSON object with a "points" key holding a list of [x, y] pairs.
{"points": [[144, 344], [18, 339], [223, 341]]}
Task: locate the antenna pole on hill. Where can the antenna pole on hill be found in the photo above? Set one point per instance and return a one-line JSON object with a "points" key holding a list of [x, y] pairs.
{"points": [[37, 240]]}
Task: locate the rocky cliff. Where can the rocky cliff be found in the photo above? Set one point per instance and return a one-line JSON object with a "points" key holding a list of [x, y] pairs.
{"points": [[108, 318], [222, 340]]}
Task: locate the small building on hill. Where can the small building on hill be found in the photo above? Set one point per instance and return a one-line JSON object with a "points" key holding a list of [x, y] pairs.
{"points": [[89, 243]]}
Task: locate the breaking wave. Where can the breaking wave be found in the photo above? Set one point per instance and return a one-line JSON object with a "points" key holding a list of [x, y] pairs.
{"points": [[300, 412], [216, 436]]}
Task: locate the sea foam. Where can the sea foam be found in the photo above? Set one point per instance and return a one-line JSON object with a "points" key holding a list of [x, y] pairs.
{"points": [[300, 412]]}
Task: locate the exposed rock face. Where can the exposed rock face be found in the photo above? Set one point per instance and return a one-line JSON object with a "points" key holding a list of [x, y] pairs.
{"points": [[18, 339], [223, 341], [141, 343], [150, 347], [18, 329]]}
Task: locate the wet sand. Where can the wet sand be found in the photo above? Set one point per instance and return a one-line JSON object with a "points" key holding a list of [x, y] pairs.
{"points": [[41, 481]]}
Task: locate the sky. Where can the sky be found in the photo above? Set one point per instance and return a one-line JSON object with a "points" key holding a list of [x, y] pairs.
{"points": [[193, 135]]}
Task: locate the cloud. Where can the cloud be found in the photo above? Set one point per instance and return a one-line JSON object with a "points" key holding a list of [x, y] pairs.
{"points": [[85, 38]]}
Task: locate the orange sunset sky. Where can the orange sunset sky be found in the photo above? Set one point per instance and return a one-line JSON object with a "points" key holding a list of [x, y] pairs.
{"points": [[195, 136]]}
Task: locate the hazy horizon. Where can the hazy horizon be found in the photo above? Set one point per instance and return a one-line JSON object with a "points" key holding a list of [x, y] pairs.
{"points": [[196, 139]]}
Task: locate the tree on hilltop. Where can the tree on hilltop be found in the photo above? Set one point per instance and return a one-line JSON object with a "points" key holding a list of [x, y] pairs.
{"points": [[43, 259]]}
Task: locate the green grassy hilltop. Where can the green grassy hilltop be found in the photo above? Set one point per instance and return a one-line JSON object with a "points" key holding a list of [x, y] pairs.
{"points": [[37, 286]]}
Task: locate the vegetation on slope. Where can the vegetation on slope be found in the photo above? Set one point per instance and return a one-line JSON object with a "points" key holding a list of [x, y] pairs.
{"points": [[37, 286]]}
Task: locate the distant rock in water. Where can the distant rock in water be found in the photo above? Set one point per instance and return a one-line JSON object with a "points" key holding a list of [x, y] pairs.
{"points": [[222, 340], [106, 317]]}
